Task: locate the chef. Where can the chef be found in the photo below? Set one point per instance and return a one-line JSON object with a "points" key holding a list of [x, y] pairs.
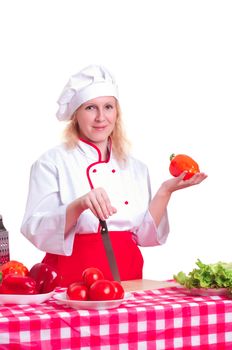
{"points": [[92, 176]]}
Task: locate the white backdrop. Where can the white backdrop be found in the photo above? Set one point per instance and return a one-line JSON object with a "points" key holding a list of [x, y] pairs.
{"points": [[172, 61]]}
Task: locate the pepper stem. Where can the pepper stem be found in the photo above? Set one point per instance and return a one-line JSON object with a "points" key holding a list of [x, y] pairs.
{"points": [[172, 156]]}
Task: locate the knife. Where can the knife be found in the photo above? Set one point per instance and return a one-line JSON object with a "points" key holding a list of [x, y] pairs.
{"points": [[109, 250]]}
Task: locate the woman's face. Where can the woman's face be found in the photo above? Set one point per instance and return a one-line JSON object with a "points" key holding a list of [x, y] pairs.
{"points": [[96, 119]]}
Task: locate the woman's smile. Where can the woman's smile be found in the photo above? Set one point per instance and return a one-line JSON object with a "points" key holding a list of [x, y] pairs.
{"points": [[100, 128]]}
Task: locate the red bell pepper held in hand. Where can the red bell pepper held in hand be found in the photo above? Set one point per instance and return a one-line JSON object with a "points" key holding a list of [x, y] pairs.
{"points": [[46, 277], [182, 162], [16, 284]]}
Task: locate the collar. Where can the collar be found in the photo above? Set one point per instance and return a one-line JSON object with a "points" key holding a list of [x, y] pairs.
{"points": [[92, 152]]}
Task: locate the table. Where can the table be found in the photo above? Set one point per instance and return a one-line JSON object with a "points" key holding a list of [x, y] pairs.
{"points": [[161, 317]]}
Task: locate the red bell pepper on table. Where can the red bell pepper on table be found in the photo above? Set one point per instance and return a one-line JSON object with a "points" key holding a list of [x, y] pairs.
{"points": [[47, 278], [15, 278], [13, 267], [17, 284]]}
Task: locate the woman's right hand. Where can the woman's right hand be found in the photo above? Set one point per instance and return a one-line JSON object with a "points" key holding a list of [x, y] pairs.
{"points": [[98, 202]]}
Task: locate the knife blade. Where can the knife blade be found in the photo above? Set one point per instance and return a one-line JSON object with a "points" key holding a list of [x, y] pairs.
{"points": [[109, 250]]}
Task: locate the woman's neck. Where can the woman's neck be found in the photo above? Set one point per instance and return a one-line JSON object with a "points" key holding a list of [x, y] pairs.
{"points": [[103, 149]]}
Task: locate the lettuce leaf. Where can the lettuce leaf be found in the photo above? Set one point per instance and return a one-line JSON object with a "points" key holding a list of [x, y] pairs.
{"points": [[217, 275]]}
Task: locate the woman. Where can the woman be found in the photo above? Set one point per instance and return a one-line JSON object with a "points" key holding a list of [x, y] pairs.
{"points": [[90, 177]]}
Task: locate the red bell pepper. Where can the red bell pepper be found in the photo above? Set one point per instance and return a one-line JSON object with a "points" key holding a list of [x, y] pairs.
{"points": [[182, 162], [47, 278], [13, 267], [17, 284]]}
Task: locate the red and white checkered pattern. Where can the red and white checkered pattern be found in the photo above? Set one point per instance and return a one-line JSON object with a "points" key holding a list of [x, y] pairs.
{"points": [[157, 319]]}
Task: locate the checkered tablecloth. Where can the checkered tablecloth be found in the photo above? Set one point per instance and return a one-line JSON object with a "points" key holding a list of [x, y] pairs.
{"points": [[166, 318]]}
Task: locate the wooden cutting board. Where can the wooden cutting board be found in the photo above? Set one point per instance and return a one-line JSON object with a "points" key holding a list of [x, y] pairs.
{"points": [[145, 284]]}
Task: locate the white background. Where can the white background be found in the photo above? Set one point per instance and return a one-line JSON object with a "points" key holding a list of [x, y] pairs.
{"points": [[173, 64]]}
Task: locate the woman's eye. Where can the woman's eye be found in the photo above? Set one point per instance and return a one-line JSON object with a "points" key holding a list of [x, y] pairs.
{"points": [[109, 106], [90, 107]]}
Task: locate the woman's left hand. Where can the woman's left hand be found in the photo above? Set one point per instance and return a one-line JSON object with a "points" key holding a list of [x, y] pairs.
{"points": [[177, 183]]}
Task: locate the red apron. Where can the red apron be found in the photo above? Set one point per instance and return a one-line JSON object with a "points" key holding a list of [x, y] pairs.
{"points": [[89, 251]]}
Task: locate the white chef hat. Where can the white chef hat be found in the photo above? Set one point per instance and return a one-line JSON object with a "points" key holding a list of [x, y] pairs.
{"points": [[91, 82]]}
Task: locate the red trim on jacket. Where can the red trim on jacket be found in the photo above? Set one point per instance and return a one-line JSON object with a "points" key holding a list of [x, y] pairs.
{"points": [[98, 162], [99, 159]]}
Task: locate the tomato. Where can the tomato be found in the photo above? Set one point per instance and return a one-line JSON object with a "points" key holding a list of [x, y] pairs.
{"points": [[102, 290], [182, 162], [14, 267], [118, 289], [90, 275], [77, 291]]}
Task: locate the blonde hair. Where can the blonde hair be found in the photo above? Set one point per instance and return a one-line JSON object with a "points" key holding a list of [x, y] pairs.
{"points": [[120, 143]]}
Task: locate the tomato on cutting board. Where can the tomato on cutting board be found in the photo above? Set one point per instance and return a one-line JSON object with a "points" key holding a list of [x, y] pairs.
{"points": [[182, 162]]}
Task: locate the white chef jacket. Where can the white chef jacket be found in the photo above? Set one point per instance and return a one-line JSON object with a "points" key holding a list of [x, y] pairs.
{"points": [[61, 175]]}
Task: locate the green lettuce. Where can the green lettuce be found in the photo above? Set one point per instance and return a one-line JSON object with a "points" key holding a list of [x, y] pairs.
{"points": [[218, 275]]}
